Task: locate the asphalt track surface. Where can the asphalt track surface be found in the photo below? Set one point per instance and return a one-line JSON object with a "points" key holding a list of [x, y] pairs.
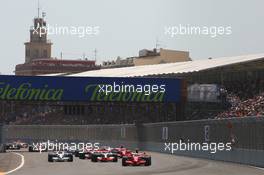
{"points": [[162, 164]]}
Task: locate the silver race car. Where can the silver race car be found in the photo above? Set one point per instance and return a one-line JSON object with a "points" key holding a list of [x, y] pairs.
{"points": [[60, 156]]}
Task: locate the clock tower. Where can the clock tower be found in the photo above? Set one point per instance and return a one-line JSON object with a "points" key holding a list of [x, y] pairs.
{"points": [[38, 47]]}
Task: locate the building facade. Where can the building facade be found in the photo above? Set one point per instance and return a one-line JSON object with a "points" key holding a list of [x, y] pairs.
{"points": [[149, 57], [119, 62]]}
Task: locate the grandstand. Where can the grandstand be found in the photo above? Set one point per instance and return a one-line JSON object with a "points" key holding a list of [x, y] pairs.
{"points": [[240, 82]]}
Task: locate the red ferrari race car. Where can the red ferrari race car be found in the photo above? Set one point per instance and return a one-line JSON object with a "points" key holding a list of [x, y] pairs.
{"points": [[121, 152], [136, 159], [104, 155]]}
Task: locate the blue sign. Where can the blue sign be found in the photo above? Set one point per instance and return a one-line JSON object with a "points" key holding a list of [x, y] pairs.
{"points": [[90, 89]]}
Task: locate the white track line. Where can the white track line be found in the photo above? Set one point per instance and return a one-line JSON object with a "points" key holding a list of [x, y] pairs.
{"points": [[20, 166]]}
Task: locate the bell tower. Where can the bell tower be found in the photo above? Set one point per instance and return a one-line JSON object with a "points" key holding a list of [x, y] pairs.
{"points": [[38, 47]]}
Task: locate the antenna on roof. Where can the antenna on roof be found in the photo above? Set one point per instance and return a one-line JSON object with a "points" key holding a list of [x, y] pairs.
{"points": [[95, 54], [157, 45], [38, 9]]}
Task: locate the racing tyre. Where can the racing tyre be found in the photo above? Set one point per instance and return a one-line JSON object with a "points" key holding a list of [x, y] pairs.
{"points": [[81, 156], [148, 161], [30, 149], [115, 159], [76, 153], [94, 158], [70, 158], [124, 159], [50, 158]]}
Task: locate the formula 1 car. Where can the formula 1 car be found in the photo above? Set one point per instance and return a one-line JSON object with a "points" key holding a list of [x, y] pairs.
{"points": [[136, 159], [121, 152], [60, 156], [86, 154], [12, 146], [74, 152], [103, 155]]}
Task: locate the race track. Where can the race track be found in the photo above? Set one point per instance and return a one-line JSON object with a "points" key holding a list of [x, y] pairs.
{"points": [[162, 164]]}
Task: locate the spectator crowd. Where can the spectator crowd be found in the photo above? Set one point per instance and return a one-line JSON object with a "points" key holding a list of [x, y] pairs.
{"points": [[244, 107]]}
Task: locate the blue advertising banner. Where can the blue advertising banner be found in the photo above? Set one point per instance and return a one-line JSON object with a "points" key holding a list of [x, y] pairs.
{"points": [[90, 89]]}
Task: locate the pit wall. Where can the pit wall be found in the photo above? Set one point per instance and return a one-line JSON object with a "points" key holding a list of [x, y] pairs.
{"points": [[247, 133]]}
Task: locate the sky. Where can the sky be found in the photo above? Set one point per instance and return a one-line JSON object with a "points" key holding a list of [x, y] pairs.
{"points": [[127, 26]]}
